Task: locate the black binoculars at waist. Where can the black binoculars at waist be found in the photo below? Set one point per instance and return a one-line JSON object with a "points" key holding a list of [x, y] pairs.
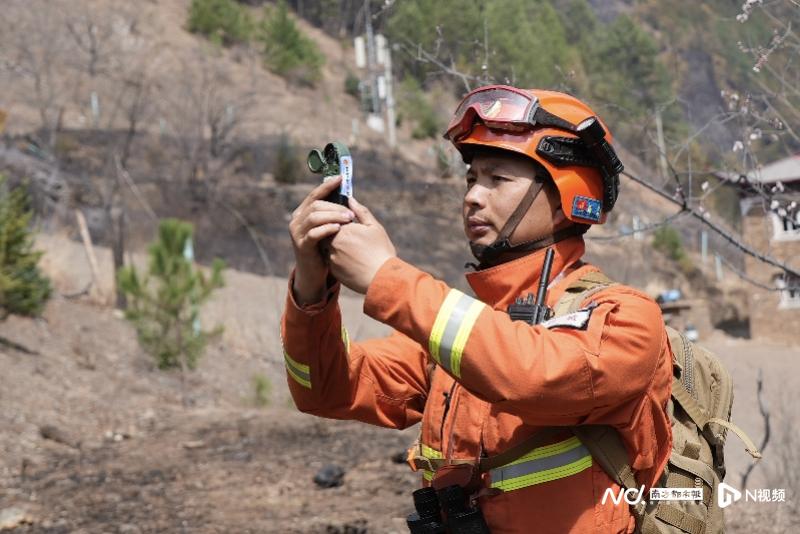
{"points": [[446, 511]]}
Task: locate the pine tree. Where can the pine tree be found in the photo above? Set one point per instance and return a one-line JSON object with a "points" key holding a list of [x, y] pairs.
{"points": [[164, 304], [287, 51], [223, 21], [23, 288], [529, 43]]}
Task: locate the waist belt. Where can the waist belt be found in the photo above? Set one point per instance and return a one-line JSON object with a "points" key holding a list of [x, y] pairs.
{"points": [[525, 464]]}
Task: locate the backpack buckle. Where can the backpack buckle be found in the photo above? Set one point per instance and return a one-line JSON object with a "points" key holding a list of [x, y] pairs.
{"points": [[719, 459]]}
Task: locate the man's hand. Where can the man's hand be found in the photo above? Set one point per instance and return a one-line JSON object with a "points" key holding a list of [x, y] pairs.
{"points": [[313, 221], [359, 250]]}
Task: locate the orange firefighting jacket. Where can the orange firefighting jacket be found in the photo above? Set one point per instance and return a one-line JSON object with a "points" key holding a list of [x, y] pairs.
{"points": [[498, 381]]}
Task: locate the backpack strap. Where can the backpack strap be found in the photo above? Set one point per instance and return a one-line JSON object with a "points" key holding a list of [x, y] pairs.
{"points": [[580, 290], [698, 415], [606, 447]]}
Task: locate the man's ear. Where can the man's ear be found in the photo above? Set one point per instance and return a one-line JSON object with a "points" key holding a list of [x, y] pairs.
{"points": [[556, 207], [559, 219]]}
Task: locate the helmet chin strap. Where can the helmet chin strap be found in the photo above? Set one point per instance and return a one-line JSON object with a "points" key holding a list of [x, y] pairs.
{"points": [[491, 255]]}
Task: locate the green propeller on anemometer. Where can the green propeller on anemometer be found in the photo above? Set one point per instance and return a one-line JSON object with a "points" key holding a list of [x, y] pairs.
{"points": [[331, 161]]}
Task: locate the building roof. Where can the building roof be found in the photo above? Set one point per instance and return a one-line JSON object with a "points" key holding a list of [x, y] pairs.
{"points": [[784, 170]]}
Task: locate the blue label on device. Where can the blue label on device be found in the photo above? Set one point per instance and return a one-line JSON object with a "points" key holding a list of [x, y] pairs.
{"points": [[587, 208], [346, 168]]}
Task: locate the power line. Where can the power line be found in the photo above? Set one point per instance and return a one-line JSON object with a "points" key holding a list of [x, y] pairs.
{"points": [[738, 272], [726, 235], [645, 228]]}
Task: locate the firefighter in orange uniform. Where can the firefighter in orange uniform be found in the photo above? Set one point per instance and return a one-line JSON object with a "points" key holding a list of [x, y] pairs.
{"points": [[541, 172]]}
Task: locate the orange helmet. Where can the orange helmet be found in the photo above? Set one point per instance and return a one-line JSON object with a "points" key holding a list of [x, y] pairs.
{"points": [[557, 130]]}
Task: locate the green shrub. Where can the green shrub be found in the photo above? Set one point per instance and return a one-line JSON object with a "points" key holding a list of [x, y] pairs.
{"points": [[667, 240], [223, 21], [428, 125], [262, 389], [352, 86], [23, 288], [416, 105], [286, 168], [286, 51], [627, 75], [164, 304]]}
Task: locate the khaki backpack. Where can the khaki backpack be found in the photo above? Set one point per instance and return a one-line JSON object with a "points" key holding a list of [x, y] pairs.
{"points": [[700, 411]]}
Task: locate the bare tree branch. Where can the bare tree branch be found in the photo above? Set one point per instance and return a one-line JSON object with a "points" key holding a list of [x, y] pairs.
{"points": [[742, 275], [423, 56], [251, 232], [762, 407], [135, 189]]}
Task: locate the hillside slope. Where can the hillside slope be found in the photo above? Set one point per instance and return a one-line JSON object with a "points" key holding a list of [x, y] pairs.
{"points": [[242, 208]]}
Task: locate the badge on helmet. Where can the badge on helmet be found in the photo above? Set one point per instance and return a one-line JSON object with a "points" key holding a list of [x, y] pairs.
{"points": [[587, 208]]}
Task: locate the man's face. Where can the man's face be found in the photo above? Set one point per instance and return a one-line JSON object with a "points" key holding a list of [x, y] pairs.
{"points": [[496, 183]]}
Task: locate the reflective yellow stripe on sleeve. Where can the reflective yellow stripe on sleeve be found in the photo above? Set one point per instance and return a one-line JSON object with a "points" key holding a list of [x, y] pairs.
{"points": [[543, 464], [452, 328], [300, 372]]}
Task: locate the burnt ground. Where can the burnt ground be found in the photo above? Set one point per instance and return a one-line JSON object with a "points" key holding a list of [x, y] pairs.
{"points": [[220, 472]]}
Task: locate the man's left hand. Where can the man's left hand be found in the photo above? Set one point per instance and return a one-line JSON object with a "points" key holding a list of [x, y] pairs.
{"points": [[359, 249]]}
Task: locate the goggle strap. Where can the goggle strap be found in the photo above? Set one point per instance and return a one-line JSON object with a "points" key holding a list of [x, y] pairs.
{"points": [[564, 151], [544, 118]]}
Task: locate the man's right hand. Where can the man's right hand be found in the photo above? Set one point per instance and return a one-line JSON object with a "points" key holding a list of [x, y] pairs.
{"points": [[313, 221]]}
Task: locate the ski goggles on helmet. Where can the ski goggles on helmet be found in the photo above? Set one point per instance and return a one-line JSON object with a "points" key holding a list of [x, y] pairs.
{"points": [[501, 107]]}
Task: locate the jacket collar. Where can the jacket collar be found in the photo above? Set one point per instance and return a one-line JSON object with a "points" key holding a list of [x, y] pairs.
{"points": [[498, 286]]}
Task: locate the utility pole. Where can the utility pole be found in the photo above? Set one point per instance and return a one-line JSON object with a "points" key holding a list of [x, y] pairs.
{"points": [[372, 51], [662, 149], [388, 81], [704, 246], [373, 85]]}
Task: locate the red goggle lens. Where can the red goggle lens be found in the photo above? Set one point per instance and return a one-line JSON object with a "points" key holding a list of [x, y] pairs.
{"points": [[497, 106]]}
